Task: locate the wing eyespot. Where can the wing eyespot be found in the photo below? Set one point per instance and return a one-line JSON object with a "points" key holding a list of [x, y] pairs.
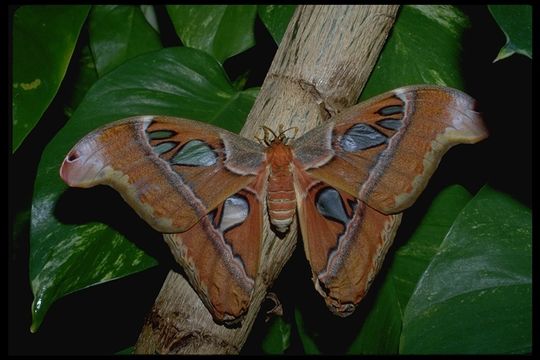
{"points": [[195, 153], [390, 124], [361, 137], [330, 205], [390, 110]]}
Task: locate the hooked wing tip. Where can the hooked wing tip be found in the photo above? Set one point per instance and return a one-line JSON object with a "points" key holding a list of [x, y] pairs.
{"points": [[77, 171], [69, 168], [337, 307]]}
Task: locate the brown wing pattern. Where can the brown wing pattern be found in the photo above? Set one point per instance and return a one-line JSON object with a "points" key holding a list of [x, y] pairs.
{"points": [[171, 171], [344, 239], [204, 186], [384, 151], [220, 254]]}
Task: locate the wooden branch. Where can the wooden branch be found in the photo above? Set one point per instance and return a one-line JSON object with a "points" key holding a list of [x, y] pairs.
{"points": [[321, 66]]}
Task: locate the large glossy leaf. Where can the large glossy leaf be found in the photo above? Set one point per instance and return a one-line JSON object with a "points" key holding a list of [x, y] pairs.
{"points": [[475, 296], [415, 255], [380, 331], [276, 19], [220, 30], [516, 23], [119, 33], [149, 13], [423, 48], [78, 237], [408, 264], [44, 38]]}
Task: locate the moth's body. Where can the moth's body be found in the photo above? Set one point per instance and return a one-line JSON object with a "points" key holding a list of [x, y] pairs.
{"points": [[280, 195], [347, 181]]}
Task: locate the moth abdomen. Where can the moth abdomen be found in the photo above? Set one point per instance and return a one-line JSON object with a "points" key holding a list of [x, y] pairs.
{"points": [[281, 207]]}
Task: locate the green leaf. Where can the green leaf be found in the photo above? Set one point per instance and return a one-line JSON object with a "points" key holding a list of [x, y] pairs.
{"points": [[119, 33], [44, 38], [381, 329], [424, 47], [150, 15], [307, 339], [516, 23], [409, 262], [475, 296], [72, 242], [86, 77], [414, 256], [240, 82], [278, 336], [276, 19], [220, 30]]}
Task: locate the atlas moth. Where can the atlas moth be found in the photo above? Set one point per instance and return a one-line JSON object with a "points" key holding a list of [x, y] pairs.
{"points": [[347, 181]]}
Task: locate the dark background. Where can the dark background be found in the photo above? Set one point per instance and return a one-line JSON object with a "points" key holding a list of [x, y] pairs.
{"points": [[107, 318]]}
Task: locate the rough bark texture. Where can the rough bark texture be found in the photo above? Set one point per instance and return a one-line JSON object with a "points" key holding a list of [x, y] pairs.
{"points": [[321, 66]]}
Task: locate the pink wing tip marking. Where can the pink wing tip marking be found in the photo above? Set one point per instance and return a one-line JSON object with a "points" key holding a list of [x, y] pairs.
{"points": [[69, 167]]}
